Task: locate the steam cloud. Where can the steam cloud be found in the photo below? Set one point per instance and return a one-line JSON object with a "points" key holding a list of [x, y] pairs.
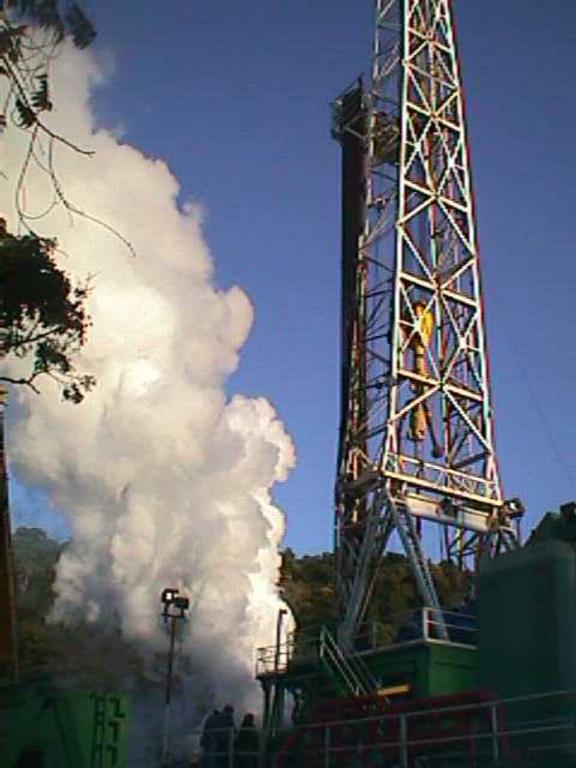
{"points": [[165, 481]]}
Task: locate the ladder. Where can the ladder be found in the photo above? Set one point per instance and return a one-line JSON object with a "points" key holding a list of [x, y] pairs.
{"points": [[348, 673]]}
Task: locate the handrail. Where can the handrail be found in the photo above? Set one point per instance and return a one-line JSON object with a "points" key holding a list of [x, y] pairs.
{"points": [[424, 624], [331, 652], [410, 732], [494, 739], [450, 709], [370, 683]]}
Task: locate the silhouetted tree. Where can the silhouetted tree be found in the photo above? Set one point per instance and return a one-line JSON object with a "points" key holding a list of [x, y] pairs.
{"points": [[57, 17], [42, 315]]}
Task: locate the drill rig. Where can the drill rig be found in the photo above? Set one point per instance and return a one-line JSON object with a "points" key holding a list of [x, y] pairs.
{"points": [[416, 446]]}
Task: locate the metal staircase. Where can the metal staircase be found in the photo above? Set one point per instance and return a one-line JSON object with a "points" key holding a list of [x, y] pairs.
{"points": [[348, 673]]}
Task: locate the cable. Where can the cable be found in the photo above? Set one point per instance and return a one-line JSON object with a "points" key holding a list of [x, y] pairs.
{"points": [[569, 472]]}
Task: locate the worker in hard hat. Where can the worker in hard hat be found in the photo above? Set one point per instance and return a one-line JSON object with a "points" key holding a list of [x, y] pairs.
{"points": [[225, 736], [208, 741], [246, 743], [419, 342]]}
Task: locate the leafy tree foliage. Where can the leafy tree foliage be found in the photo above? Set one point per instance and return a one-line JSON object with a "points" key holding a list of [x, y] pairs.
{"points": [[308, 585], [80, 655], [37, 555], [57, 17], [24, 61], [42, 316]]}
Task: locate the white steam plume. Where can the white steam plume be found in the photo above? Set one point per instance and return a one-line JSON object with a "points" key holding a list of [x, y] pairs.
{"points": [[165, 482]]}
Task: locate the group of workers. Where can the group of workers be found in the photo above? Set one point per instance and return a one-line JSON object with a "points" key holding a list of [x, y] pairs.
{"points": [[225, 747]]}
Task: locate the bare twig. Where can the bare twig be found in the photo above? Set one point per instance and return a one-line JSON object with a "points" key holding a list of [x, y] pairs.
{"points": [[28, 382]]}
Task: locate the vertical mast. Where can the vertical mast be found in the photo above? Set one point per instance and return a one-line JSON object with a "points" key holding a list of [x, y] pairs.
{"points": [[416, 433], [8, 645]]}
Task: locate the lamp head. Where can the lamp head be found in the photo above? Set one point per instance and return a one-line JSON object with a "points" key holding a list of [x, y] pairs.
{"points": [[515, 507], [182, 603], [169, 596]]}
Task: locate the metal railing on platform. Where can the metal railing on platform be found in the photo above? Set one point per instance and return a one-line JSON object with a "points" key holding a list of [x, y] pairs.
{"points": [[420, 625], [275, 659], [348, 673], [537, 731]]}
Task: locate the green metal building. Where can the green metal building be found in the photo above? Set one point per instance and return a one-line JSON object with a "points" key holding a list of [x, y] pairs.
{"points": [[46, 727]]}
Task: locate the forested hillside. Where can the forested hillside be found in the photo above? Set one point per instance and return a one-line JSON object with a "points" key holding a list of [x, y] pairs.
{"points": [[82, 655], [308, 585]]}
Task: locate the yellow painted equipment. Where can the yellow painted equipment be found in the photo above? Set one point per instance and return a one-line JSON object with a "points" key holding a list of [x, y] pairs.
{"points": [[419, 342]]}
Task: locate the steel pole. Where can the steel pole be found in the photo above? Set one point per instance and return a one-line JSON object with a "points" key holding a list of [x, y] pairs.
{"points": [[281, 613], [165, 739], [8, 635]]}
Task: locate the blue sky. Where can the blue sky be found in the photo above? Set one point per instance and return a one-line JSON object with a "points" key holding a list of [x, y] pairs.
{"points": [[235, 97]]}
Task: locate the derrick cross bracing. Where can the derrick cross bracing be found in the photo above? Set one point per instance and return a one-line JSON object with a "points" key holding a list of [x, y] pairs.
{"points": [[416, 427]]}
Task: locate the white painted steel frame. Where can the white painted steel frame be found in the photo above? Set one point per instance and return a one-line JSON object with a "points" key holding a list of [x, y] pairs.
{"points": [[418, 255]]}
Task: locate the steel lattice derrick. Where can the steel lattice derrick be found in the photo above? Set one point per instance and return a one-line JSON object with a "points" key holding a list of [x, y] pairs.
{"points": [[416, 435]]}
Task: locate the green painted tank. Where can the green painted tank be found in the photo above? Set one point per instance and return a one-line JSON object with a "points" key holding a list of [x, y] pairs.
{"points": [[527, 634], [527, 619], [45, 726], [427, 668]]}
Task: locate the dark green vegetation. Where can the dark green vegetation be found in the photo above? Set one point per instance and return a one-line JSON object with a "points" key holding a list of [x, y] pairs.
{"points": [[57, 17], [42, 315], [309, 588], [82, 656], [48, 648]]}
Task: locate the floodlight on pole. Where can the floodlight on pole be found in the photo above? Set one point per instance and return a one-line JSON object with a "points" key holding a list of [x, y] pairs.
{"points": [[168, 596], [174, 608]]}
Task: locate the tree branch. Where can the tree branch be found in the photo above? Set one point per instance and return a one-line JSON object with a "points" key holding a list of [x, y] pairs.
{"points": [[13, 74], [27, 382], [33, 339]]}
